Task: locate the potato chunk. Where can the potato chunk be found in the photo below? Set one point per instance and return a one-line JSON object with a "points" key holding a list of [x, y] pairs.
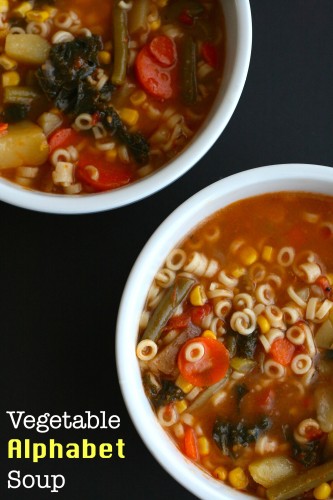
{"points": [[269, 471], [27, 48], [24, 144]]}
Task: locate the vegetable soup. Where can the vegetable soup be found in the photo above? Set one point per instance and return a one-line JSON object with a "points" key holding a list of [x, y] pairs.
{"points": [[93, 99], [236, 345]]}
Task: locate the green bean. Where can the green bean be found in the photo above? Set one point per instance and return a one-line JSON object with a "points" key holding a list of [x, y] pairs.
{"points": [[166, 307], [205, 395], [16, 94], [120, 44], [138, 15], [189, 71], [298, 485]]}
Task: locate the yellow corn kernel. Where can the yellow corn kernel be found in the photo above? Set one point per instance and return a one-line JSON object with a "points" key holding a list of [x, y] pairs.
{"points": [[263, 324], [183, 384], [104, 57], [267, 253], [22, 9], [322, 491], [51, 10], [10, 78], [38, 16], [4, 6], [111, 154], [203, 446], [208, 334], [155, 25], [7, 63], [197, 296], [221, 473], [248, 255], [138, 97], [330, 278], [129, 116], [237, 271], [181, 406], [238, 479]]}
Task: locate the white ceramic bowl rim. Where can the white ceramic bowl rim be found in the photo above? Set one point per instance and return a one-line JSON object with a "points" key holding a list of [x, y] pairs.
{"points": [[97, 202], [289, 177]]}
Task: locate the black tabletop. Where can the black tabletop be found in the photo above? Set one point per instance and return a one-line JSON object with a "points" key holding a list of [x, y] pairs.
{"points": [[62, 276]]}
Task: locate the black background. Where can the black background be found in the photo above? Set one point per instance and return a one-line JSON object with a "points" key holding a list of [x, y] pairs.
{"points": [[62, 276]]}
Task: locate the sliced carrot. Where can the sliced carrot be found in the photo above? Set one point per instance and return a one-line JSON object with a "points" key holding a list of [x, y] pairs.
{"points": [[190, 444], [164, 50], [110, 175], [209, 368], [157, 81], [63, 138], [282, 351]]}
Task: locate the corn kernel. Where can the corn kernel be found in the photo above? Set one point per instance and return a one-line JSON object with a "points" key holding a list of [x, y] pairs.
{"points": [[248, 255], [238, 479], [104, 57], [7, 63], [183, 384], [263, 324], [267, 253], [10, 78], [111, 154], [51, 10], [155, 25], [129, 116], [203, 446], [330, 278], [221, 473], [237, 271], [208, 334], [322, 491], [138, 97], [181, 406], [197, 296], [37, 16], [22, 9], [4, 6]]}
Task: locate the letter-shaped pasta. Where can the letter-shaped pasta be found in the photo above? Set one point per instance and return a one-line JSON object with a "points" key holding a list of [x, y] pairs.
{"points": [[295, 297], [274, 334], [311, 271], [146, 350], [291, 314], [265, 294], [302, 434], [296, 335], [222, 308], [273, 369], [286, 256], [275, 316], [216, 291], [265, 445], [257, 272], [301, 364], [243, 322], [243, 300], [198, 264], [227, 281], [165, 277], [167, 416]]}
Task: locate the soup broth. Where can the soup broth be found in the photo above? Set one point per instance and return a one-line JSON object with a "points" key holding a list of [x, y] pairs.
{"points": [[93, 98], [235, 345]]}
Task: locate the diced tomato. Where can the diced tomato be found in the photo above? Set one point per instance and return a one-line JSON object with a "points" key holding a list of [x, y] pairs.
{"points": [[282, 350], [186, 18], [198, 313], [265, 400], [313, 433], [191, 443], [163, 48], [207, 369], [210, 55], [3, 128], [110, 175], [155, 79], [180, 321], [62, 138]]}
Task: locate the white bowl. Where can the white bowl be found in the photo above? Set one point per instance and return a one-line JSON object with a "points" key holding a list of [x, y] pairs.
{"points": [[293, 177], [238, 50]]}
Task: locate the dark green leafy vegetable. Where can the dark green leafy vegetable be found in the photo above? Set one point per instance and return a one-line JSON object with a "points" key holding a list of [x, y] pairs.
{"points": [[64, 80], [246, 344], [226, 435], [307, 454], [15, 112], [164, 395]]}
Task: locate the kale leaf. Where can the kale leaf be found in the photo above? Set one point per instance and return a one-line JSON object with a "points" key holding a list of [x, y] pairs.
{"points": [[226, 435], [167, 393], [243, 346]]}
